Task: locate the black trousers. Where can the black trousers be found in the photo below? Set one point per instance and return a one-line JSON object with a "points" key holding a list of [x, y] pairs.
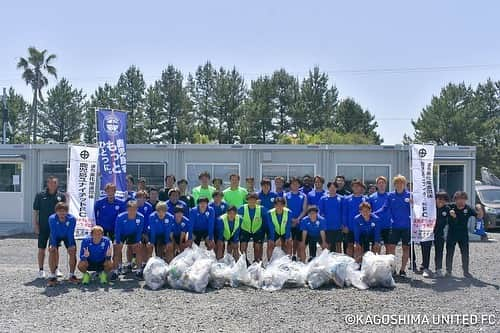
{"points": [[463, 244], [426, 253], [438, 252]]}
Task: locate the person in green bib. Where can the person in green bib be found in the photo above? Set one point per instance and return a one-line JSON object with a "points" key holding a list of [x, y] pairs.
{"points": [[235, 195], [228, 230], [280, 228], [204, 189], [253, 226]]}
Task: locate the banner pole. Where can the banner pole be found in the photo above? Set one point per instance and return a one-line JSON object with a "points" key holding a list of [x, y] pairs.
{"points": [[412, 244]]}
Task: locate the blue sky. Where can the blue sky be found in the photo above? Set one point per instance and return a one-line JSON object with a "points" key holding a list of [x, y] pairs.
{"points": [[354, 41]]}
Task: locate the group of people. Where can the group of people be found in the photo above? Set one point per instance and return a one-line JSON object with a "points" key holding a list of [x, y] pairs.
{"points": [[297, 219]]}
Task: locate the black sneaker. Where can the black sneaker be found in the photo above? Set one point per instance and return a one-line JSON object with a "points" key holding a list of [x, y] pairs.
{"points": [[294, 258], [113, 276], [310, 259], [402, 273]]}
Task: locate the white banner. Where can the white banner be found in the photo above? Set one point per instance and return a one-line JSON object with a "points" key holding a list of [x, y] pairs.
{"points": [[424, 202], [82, 187]]}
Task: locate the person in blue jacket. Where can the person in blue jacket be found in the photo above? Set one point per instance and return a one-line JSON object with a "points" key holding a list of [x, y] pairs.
{"points": [[173, 201], [128, 230], [377, 201], [181, 232], [62, 229], [130, 188], [107, 209], [160, 228], [313, 232], [351, 209], [228, 227], [266, 196], [280, 228], [95, 255], [398, 208], [366, 231], [218, 204], [314, 196], [202, 220], [296, 201], [331, 209], [306, 185]]}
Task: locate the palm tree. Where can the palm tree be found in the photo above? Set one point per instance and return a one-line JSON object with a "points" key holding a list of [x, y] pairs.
{"points": [[34, 68]]}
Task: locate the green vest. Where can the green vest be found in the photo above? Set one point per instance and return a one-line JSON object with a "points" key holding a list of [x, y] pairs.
{"points": [[228, 234], [279, 229], [252, 226]]}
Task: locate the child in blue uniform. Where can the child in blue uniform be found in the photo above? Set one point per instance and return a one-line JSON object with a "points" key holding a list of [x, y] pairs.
{"points": [[62, 229], [313, 232], [296, 201], [477, 230], [107, 209], [128, 230], [160, 228], [228, 227], [280, 228], [331, 209], [366, 230], [202, 220], [351, 209], [95, 255]]}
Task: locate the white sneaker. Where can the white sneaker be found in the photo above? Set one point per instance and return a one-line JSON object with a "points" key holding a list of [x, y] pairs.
{"points": [[59, 273], [439, 273], [427, 273], [41, 274]]}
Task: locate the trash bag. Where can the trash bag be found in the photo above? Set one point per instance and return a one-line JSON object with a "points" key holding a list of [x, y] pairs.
{"points": [[337, 268], [220, 271], [195, 278], [255, 276], [155, 273], [277, 254], [354, 278], [318, 270], [238, 273], [178, 266], [296, 274], [376, 270], [275, 274]]}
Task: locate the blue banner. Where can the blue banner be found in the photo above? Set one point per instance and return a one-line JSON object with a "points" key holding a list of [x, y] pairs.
{"points": [[112, 143]]}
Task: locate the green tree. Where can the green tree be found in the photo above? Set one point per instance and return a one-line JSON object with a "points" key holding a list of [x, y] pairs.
{"points": [[286, 95], [316, 109], [130, 91], [35, 67], [61, 116], [153, 111], [19, 111], [230, 94], [326, 136], [351, 118], [103, 97], [260, 111], [201, 90]]}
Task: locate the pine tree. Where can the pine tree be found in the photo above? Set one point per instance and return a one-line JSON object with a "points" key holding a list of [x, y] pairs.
{"points": [[19, 111], [286, 96], [103, 97], [351, 118]]}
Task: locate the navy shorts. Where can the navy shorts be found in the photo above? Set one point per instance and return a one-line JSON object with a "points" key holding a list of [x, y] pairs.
{"points": [[334, 236], [66, 241], [296, 233], [349, 237], [365, 240], [96, 266], [386, 234], [199, 235], [257, 237], [127, 239], [110, 235], [160, 240], [402, 235]]}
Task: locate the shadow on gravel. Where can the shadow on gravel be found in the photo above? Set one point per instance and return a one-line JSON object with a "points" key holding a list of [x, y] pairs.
{"points": [[452, 284]]}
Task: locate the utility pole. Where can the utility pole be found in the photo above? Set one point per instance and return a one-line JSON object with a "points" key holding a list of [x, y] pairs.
{"points": [[5, 116]]}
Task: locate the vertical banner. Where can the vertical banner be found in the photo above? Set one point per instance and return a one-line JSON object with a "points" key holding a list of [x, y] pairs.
{"points": [[82, 181], [424, 202], [112, 143]]}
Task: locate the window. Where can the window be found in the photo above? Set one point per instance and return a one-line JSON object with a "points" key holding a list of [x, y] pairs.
{"points": [[10, 177], [154, 173], [216, 170], [449, 178], [286, 170], [368, 173], [57, 169]]}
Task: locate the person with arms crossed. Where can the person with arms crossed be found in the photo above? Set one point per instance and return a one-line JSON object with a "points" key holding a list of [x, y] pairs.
{"points": [[253, 226], [228, 227], [312, 227], [62, 229], [331, 208], [128, 230], [296, 201], [280, 228], [43, 207], [235, 195], [202, 220], [95, 256]]}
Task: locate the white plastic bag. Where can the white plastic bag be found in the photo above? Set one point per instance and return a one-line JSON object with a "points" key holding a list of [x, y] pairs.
{"points": [[318, 270], [337, 268], [296, 273], [238, 273], [255, 276], [354, 278], [195, 278], [220, 271], [178, 266], [376, 270], [155, 273]]}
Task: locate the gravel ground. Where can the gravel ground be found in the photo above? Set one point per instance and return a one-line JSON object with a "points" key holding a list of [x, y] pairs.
{"points": [[28, 305]]}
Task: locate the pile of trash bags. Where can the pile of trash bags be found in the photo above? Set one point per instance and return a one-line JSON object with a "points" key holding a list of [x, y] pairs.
{"points": [[195, 269]]}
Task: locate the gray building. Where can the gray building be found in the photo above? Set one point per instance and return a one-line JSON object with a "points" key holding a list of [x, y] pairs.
{"points": [[23, 168]]}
